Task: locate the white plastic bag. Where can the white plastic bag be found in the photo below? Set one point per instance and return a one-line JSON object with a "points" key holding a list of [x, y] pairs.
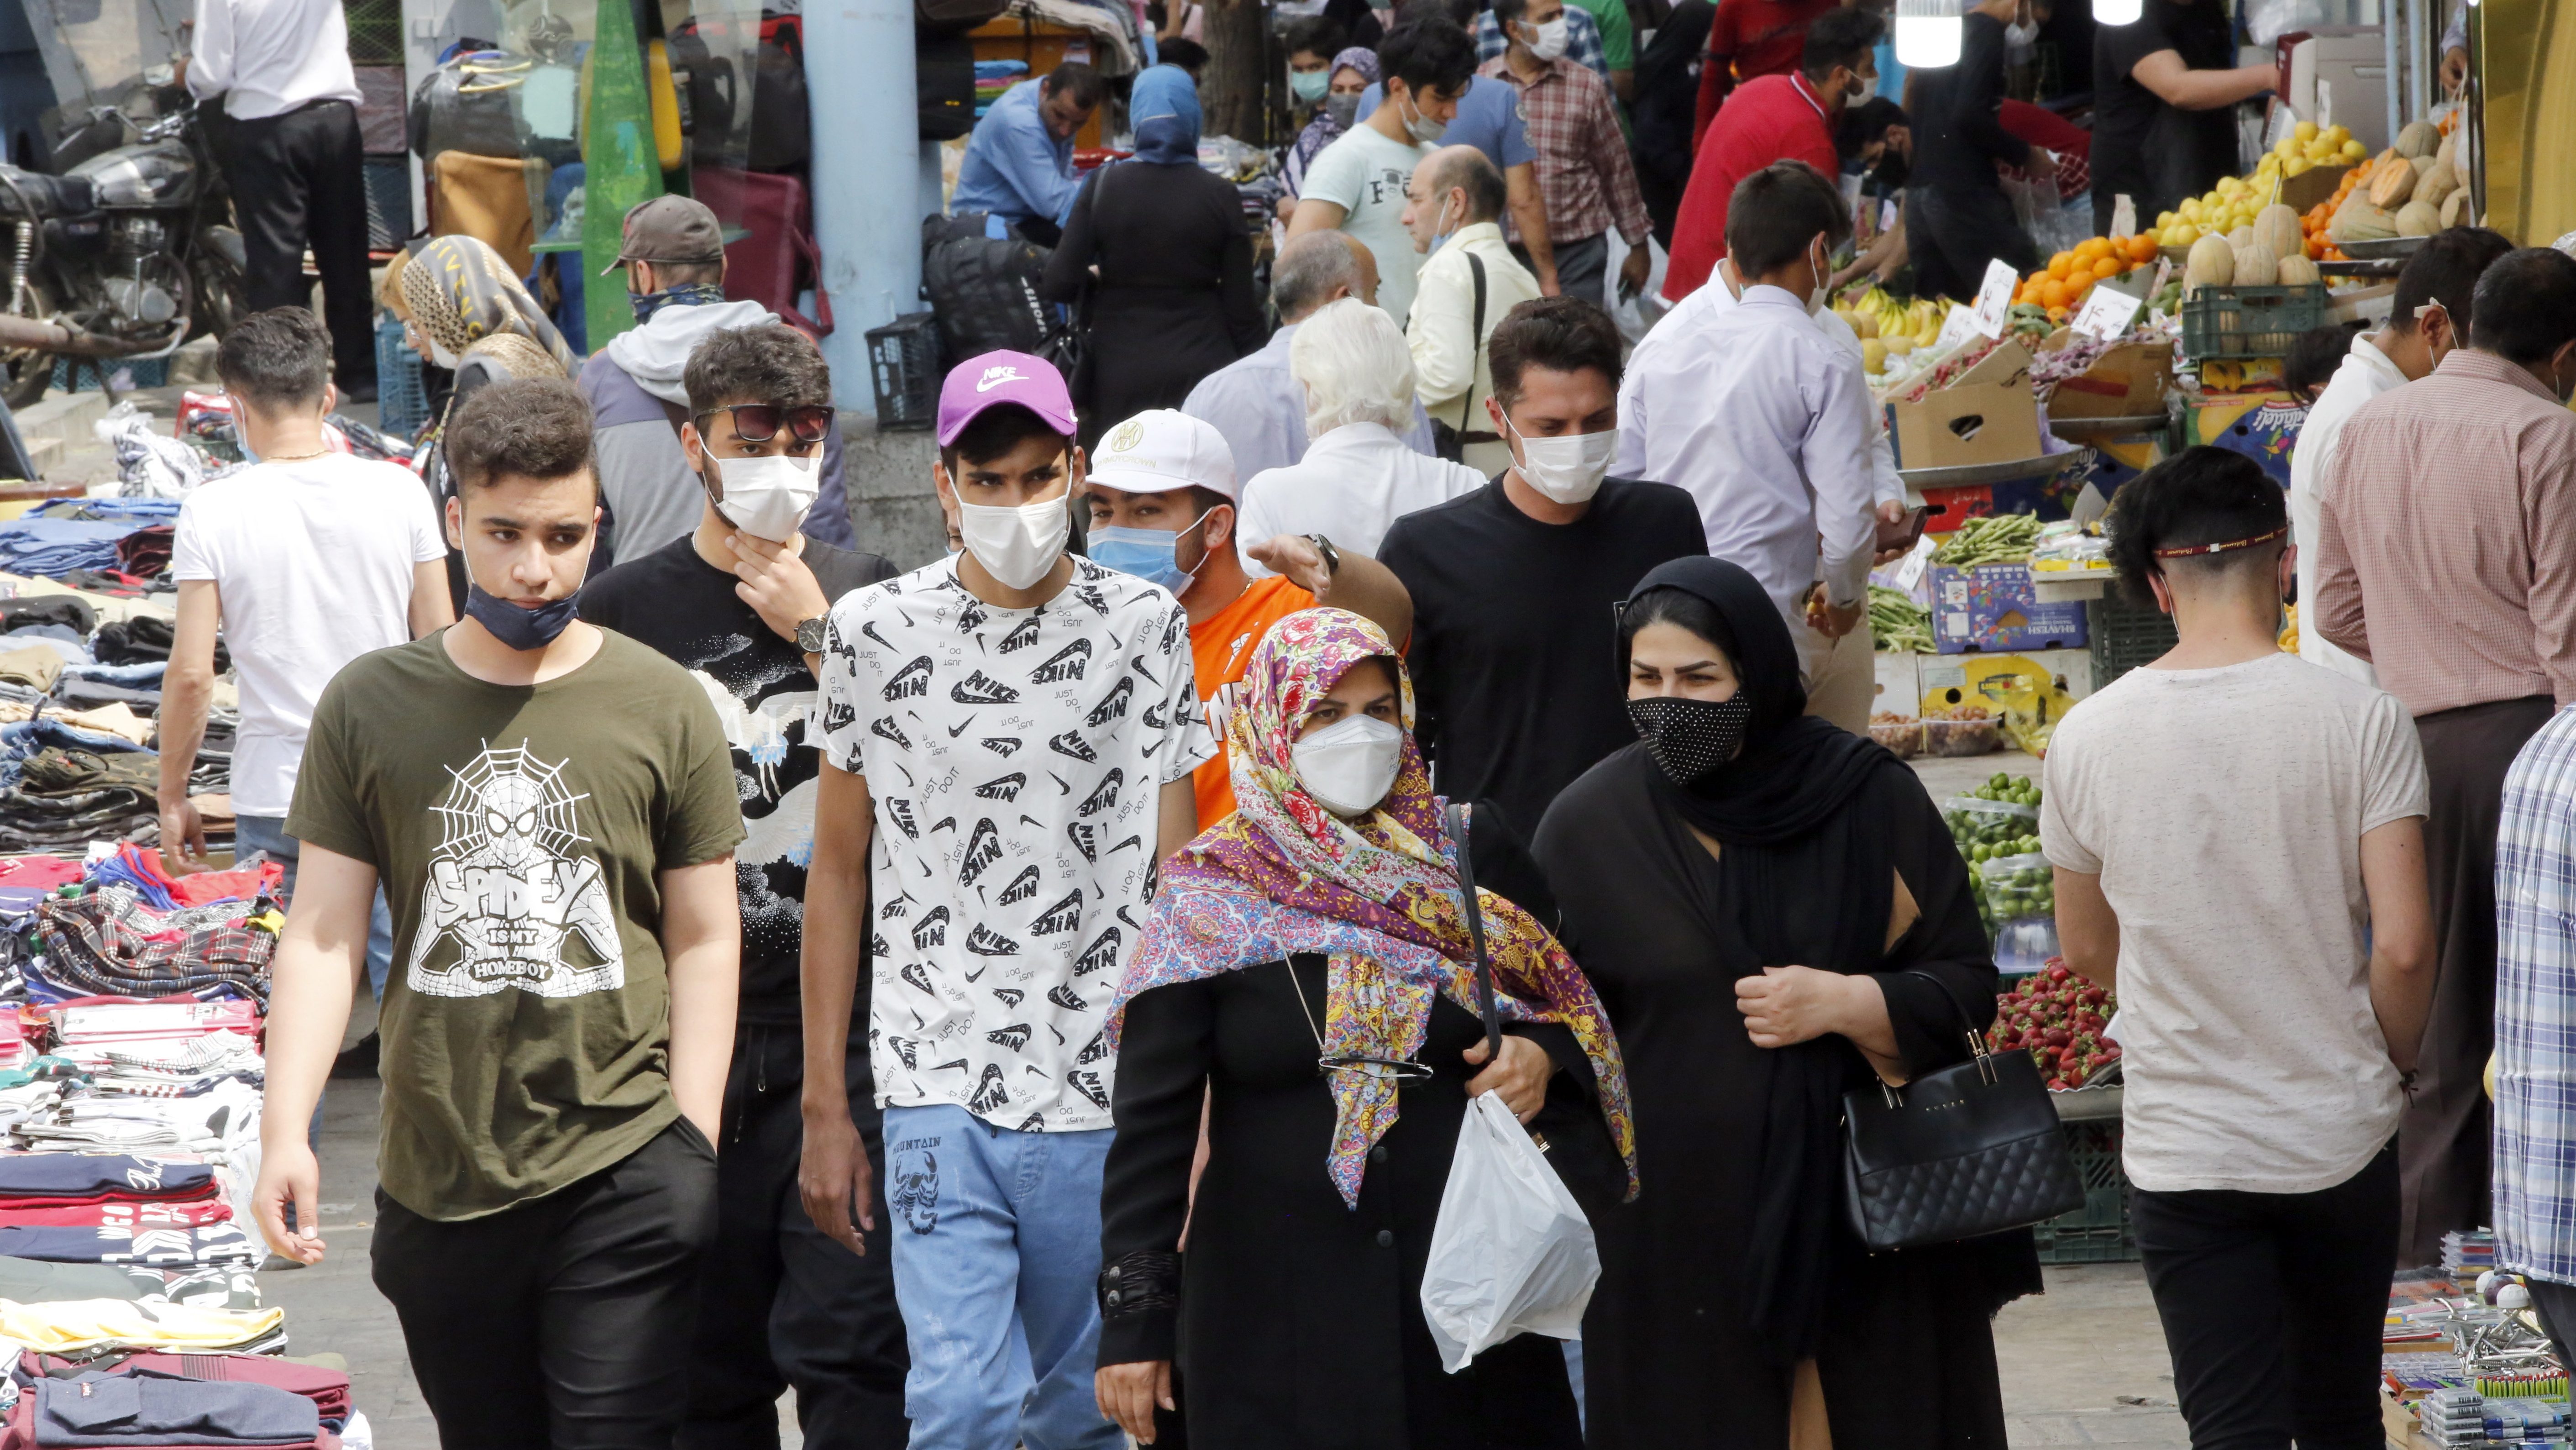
{"points": [[1637, 314], [1512, 1253]]}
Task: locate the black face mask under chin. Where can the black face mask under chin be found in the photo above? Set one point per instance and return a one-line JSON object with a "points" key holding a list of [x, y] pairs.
{"points": [[1690, 738], [521, 629]]}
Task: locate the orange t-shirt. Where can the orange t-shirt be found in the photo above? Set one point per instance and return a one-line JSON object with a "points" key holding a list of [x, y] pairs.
{"points": [[1220, 646]]}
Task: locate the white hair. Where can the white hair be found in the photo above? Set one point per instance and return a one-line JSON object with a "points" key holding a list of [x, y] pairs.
{"points": [[1355, 367]]}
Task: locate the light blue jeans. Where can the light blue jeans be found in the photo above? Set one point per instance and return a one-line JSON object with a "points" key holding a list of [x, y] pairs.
{"points": [[268, 833], [996, 1258]]}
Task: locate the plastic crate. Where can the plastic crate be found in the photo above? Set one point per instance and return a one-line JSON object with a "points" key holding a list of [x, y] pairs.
{"points": [[2126, 636], [402, 400], [2223, 322], [903, 358], [2100, 1232]]}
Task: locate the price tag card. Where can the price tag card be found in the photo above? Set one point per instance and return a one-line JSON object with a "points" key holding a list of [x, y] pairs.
{"points": [[1994, 299], [1956, 328], [2106, 313]]}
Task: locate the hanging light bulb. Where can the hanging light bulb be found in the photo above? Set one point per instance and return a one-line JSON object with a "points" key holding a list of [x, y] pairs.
{"points": [[1927, 33], [2117, 12]]}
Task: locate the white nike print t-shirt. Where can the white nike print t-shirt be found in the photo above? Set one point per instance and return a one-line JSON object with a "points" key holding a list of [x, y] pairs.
{"points": [[1015, 757]]}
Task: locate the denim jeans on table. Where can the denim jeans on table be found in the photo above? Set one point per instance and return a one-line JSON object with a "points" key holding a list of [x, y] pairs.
{"points": [[996, 1259], [268, 833]]}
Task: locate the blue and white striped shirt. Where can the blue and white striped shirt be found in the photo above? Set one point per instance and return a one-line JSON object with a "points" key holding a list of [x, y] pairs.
{"points": [[2535, 1008]]}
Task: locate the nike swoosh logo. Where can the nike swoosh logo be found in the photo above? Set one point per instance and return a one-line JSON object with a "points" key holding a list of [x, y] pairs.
{"points": [[958, 729], [986, 385]]}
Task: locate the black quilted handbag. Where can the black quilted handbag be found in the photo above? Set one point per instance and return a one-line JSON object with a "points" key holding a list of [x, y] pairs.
{"points": [[1965, 1151]]}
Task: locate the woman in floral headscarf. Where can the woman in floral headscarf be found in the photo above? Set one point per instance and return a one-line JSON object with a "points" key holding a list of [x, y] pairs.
{"points": [[1305, 970], [1352, 73]]}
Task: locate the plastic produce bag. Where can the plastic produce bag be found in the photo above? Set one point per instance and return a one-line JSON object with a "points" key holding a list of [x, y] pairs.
{"points": [[1512, 1252], [1635, 315]]}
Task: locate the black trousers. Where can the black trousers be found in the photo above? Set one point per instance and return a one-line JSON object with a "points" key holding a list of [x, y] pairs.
{"points": [[1952, 233], [778, 1303], [299, 180], [558, 1324], [2272, 1305]]}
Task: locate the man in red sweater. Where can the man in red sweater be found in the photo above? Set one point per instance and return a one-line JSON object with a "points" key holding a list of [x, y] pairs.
{"points": [[1750, 39], [1772, 118]]}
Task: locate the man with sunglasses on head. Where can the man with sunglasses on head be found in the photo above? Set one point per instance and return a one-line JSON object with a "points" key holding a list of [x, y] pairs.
{"points": [[673, 253], [740, 602]]}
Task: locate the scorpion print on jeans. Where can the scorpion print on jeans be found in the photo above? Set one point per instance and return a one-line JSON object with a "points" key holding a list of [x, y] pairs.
{"points": [[1015, 757]]}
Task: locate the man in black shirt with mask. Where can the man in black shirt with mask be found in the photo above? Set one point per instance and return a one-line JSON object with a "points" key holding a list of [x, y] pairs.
{"points": [[1514, 656], [739, 602]]}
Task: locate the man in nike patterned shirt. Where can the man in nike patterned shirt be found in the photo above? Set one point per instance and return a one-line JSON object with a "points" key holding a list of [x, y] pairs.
{"points": [[1007, 737]]}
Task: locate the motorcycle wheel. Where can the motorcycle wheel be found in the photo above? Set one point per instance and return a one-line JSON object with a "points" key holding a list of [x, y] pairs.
{"points": [[26, 372], [223, 294]]}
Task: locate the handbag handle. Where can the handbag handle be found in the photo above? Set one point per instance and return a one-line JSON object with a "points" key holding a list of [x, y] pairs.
{"points": [[1459, 814], [1969, 1029]]}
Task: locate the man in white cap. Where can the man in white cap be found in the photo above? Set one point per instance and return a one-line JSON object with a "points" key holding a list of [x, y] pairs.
{"points": [[1163, 505], [673, 251]]}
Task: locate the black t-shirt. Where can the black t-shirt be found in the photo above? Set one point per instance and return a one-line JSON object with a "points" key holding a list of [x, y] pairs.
{"points": [[1514, 656], [686, 608], [2159, 153], [1958, 126]]}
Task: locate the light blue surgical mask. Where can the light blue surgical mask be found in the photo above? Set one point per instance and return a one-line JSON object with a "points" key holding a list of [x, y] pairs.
{"points": [[1150, 554], [1308, 86]]}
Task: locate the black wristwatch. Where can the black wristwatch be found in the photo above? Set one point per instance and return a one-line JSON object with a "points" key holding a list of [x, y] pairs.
{"points": [[809, 633], [1332, 556]]}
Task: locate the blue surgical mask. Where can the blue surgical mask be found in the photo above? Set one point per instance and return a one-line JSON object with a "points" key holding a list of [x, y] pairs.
{"points": [[1308, 86], [521, 629], [1150, 554]]}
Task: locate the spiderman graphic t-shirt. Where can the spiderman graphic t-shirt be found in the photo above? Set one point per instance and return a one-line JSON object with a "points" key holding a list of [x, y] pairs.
{"points": [[518, 831], [1015, 757]]}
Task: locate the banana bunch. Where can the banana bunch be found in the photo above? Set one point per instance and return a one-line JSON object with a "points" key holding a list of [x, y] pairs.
{"points": [[1889, 328]]}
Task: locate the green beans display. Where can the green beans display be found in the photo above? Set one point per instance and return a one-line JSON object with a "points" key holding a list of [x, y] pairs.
{"points": [[1989, 539]]}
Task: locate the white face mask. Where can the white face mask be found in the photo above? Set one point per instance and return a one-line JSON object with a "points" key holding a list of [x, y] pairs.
{"points": [[1824, 265], [1552, 38], [1349, 766], [1860, 93], [1017, 546], [1568, 467], [767, 497]]}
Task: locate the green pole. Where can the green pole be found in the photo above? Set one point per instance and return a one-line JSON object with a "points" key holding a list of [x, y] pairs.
{"points": [[620, 167]]}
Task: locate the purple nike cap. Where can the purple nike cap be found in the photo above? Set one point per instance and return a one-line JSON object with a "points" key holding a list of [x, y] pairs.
{"points": [[996, 378]]}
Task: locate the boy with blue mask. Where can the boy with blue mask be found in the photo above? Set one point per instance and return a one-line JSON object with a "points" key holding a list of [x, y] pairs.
{"points": [[1163, 500]]}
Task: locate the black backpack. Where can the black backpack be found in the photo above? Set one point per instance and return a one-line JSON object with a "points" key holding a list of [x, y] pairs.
{"points": [[984, 290], [452, 110], [782, 131]]}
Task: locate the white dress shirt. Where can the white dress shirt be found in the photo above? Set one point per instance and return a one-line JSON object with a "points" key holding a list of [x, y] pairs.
{"points": [[1682, 327], [269, 57], [1353, 484], [1259, 408], [1450, 366], [1765, 419], [2366, 373]]}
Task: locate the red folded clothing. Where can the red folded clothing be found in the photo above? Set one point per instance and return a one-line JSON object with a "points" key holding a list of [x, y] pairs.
{"points": [[120, 1213], [38, 871], [195, 1193]]}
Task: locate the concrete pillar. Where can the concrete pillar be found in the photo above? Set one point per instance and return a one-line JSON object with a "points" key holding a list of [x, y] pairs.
{"points": [[867, 176]]}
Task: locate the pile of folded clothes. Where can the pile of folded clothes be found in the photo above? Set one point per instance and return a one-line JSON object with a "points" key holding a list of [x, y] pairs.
{"points": [[154, 1398], [75, 536], [109, 941]]}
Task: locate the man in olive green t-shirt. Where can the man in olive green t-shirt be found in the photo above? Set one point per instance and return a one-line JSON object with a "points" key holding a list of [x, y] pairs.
{"points": [[551, 808]]}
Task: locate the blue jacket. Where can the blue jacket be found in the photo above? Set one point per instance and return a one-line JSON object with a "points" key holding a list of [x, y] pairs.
{"points": [[1015, 168]]}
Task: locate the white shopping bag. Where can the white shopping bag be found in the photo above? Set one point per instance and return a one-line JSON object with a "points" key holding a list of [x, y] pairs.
{"points": [[1512, 1252]]}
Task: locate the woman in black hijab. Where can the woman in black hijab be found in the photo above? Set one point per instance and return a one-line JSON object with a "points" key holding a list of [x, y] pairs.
{"points": [[1772, 911]]}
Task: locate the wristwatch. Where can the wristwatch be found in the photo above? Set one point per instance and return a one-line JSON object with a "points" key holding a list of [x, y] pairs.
{"points": [[1332, 556], [809, 633]]}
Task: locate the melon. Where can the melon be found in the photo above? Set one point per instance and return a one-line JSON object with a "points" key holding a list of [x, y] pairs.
{"points": [[2211, 264], [2455, 209], [2276, 229], [2242, 236], [2434, 186], [2419, 138], [2255, 265], [2297, 271], [2418, 219], [2364, 223], [2391, 185]]}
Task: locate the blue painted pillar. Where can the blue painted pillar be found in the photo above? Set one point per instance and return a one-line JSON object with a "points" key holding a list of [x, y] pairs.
{"points": [[867, 176]]}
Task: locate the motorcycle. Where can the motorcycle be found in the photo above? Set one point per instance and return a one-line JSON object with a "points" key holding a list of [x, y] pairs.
{"points": [[126, 254]]}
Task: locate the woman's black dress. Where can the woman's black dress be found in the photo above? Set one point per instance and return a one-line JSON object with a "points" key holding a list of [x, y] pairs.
{"points": [[1905, 1354], [1174, 300], [1299, 1325]]}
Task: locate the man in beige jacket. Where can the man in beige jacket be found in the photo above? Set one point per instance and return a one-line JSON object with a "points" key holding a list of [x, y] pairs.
{"points": [[1452, 206]]}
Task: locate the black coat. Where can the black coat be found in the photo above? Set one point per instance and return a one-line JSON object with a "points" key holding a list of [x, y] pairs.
{"points": [[1299, 1324], [1174, 300]]}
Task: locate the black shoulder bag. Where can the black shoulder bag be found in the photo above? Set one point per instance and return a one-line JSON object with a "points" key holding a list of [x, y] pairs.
{"points": [[1960, 1152], [1458, 818]]}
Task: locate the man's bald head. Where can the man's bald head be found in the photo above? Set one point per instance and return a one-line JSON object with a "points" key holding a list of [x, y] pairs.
{"points": [[1454, 187], [1366, 261]]}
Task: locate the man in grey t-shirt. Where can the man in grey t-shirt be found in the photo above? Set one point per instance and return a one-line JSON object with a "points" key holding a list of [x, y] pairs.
{"points": [[2239, 849]]}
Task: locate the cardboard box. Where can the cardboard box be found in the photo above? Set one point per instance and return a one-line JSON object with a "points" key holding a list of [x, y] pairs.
{"points": [[1992, 609], [2302, 192], [2129, 381], [1899, 691], [2262, 426], [1987, 416], [2071, 668]]}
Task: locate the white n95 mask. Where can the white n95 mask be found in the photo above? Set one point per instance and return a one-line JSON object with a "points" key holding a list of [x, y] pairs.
{"points": [[1017, 545], [1350, 765], [1567, 468], [767, 497]]}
